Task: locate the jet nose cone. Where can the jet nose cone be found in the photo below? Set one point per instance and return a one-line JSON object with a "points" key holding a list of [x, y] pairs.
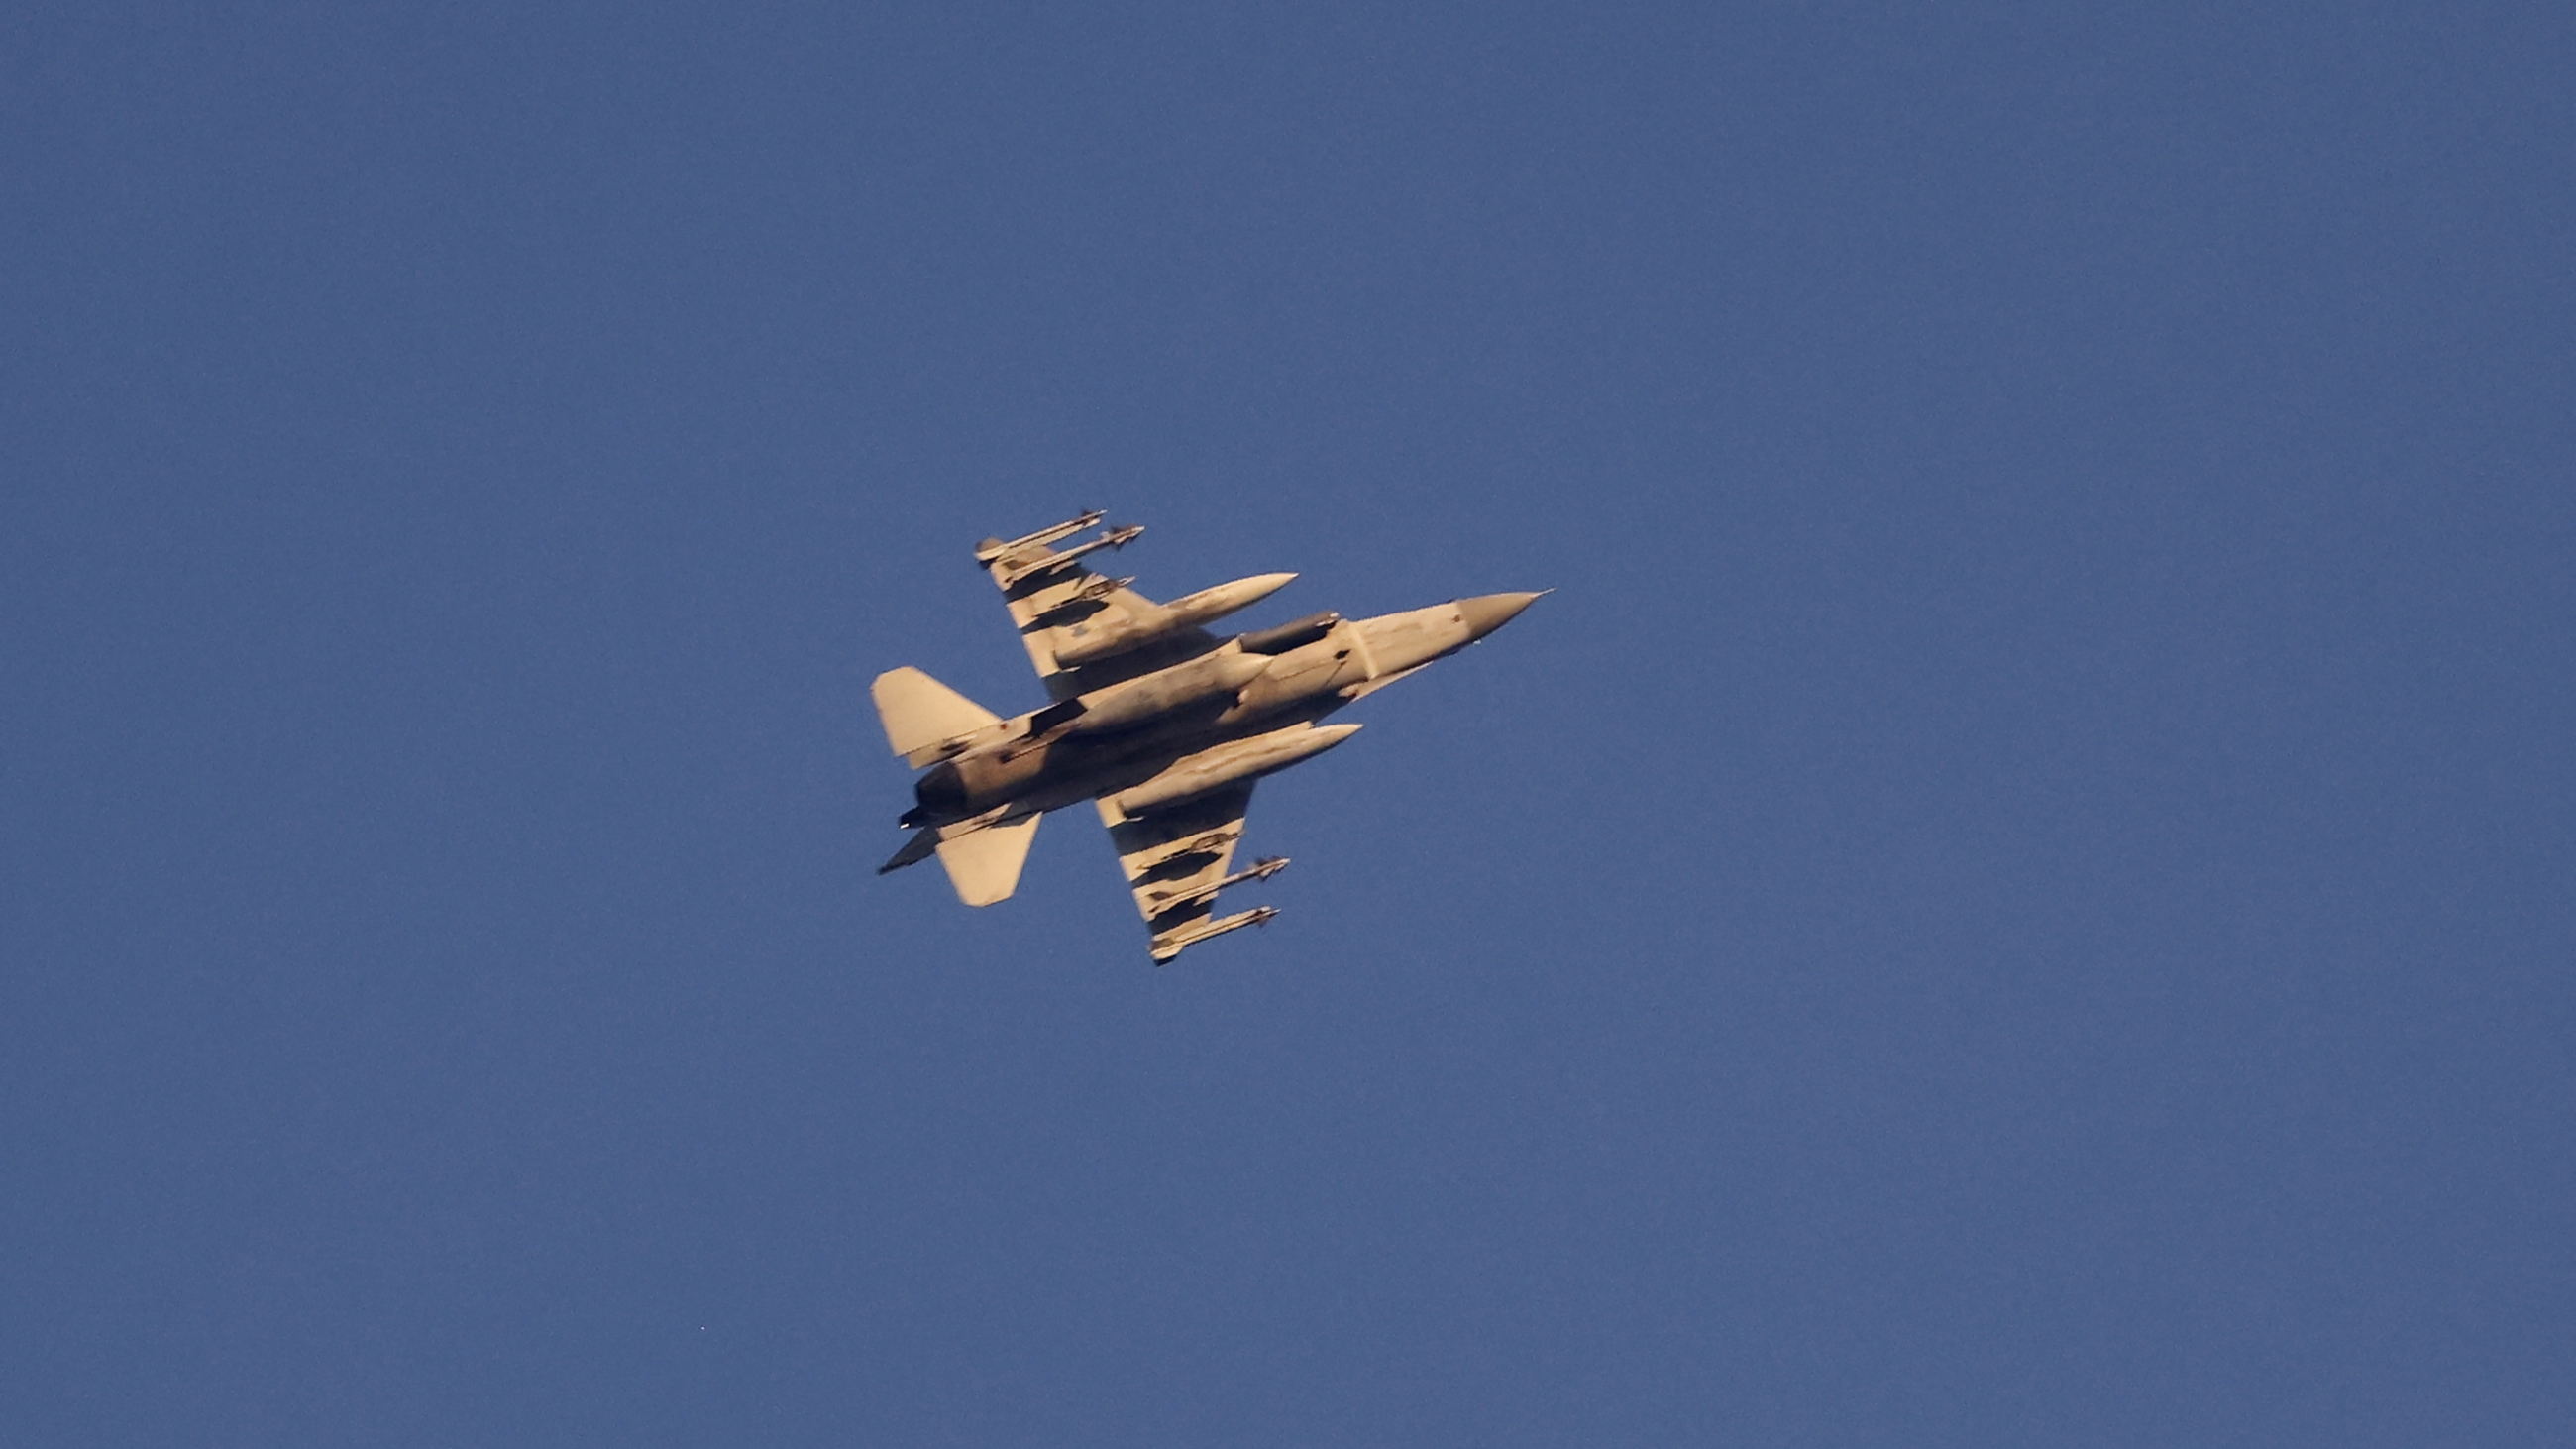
{"points": [[1487, 612]]}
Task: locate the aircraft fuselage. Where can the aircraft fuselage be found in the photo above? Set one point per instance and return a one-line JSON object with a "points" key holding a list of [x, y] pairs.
{"points": [[1122, 736], [1161, 723]]}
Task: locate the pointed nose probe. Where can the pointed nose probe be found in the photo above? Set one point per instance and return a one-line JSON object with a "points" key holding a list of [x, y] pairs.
{"points": [[1487, 612]]}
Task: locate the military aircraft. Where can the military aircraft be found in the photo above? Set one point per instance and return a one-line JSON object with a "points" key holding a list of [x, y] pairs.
{"points": [[1161, 724]]}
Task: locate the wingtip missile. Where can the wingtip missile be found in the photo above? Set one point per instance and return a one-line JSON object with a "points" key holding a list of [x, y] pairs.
{"points": [[1111, 538], [1167, 947], [993, 548]]}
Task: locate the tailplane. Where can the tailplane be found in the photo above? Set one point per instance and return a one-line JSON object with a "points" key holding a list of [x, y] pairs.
{"points": [[920, 714], [985, 864]]}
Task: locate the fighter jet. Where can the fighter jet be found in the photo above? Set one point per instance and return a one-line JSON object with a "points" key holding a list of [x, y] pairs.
{"points": [[1162, 725]]}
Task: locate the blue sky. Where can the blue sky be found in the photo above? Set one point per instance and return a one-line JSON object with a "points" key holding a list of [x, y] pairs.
{"points": [[2018, 892]]}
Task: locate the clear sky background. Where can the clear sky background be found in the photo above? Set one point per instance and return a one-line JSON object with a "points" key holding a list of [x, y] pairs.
{"points": [[2020, 893]]}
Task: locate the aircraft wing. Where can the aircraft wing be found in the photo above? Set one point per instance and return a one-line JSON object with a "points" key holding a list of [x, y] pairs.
{"points": [[1056, 598], [1176, 859]]}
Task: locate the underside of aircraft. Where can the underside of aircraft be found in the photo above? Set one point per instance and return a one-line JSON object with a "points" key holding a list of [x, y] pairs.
{"points": [[1162, 726]]}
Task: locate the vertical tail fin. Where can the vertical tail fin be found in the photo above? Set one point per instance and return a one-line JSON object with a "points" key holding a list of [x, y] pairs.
{"points": [[919, 712], [985, 864]]}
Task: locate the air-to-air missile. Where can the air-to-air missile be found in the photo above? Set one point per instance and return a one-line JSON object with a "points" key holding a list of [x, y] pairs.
{"points": [[1262, 869], [1163, 726]]}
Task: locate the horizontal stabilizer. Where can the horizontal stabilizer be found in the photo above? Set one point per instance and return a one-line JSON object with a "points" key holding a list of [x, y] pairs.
{"points": [[985, 864], [919, 712], [914, 852]]}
